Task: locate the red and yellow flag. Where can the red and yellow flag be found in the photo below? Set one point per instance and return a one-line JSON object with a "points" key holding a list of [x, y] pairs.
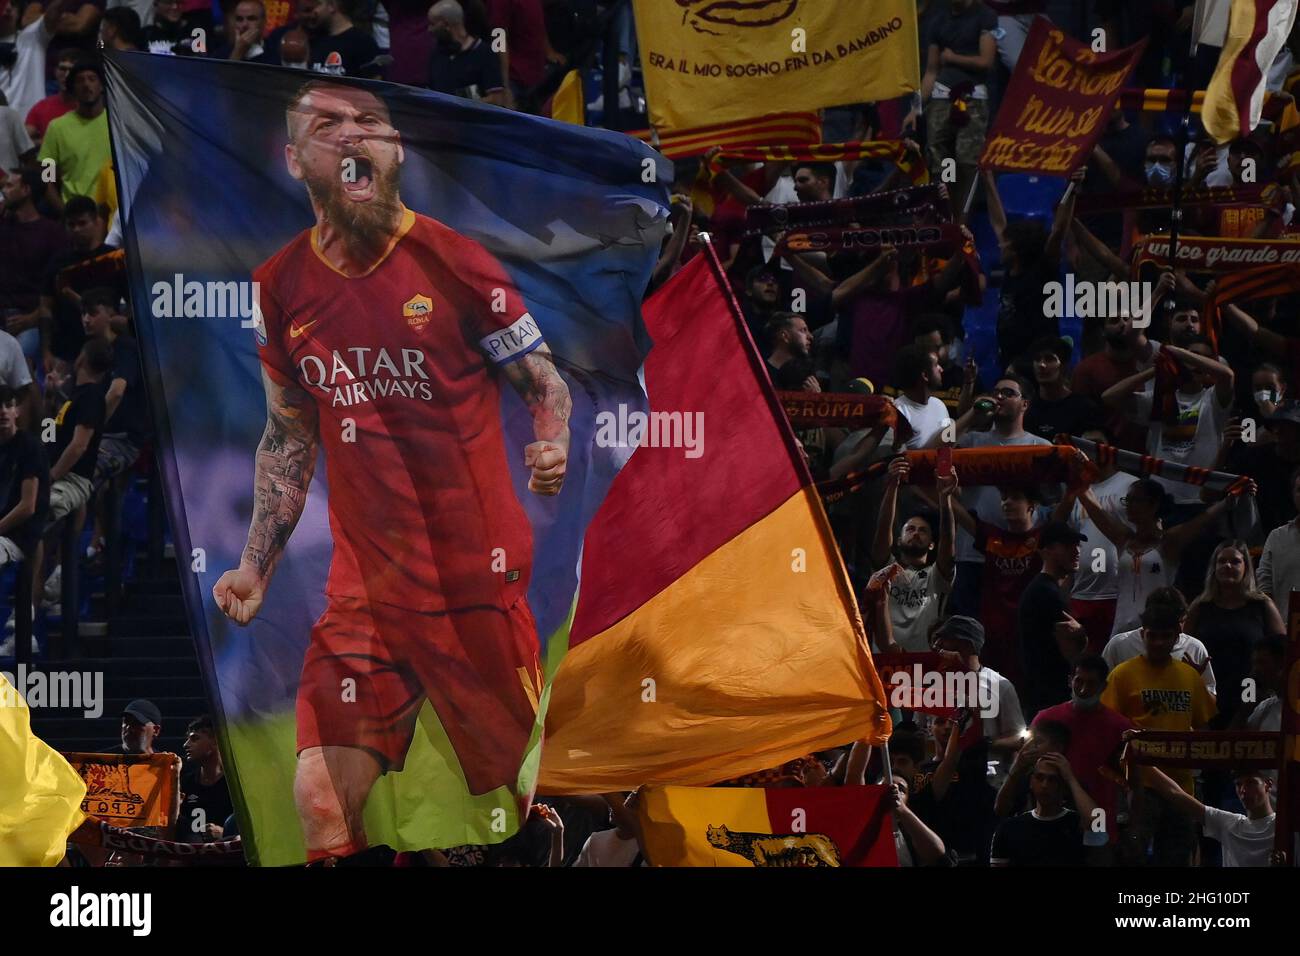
{"points": [[1234, 98], [782, 129], [716, 631], [798, 827]]}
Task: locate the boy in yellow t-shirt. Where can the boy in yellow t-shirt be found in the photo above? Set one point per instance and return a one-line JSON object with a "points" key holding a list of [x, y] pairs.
{"points": [[1157, 692]]}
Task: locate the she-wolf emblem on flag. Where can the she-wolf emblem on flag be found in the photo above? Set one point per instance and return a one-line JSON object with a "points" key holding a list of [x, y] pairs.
{"points": [[705, 16]]}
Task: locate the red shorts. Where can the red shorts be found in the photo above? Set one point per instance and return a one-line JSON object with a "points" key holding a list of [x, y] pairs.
{"points": [[478, 667]]}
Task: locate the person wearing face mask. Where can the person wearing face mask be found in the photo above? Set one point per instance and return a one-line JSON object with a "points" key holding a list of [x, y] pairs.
{"points": [[1159, 170], [1158, 165], [1267, 388], [1096, 738]]}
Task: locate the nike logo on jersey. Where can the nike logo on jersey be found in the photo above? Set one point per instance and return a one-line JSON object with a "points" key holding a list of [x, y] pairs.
{"points": [[297, 330]]}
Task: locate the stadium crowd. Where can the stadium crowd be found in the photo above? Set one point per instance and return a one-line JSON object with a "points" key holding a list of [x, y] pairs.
{"points": [[1112, 603]]}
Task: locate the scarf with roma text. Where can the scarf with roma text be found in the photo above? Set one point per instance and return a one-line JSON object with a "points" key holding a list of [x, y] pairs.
{"points": [[843, 410]]}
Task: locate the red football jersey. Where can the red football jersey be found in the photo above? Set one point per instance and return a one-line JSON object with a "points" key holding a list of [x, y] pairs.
{"points": [[399, 361]]}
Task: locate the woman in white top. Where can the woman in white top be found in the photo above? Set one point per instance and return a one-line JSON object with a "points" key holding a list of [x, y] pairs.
{"points": [[1148, 554]]}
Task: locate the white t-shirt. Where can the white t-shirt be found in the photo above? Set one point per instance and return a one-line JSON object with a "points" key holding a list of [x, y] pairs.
{"points": [[23, 83], [1008, 720], [984, 500], [914, 599], [1128, 645], [14, 140], [1267, 714], [1137, 576], [1278, 572], [143, 8], [607, 848], [925, 419], [1191, 440], [13, 365], [1246, 842], [1090, 585]]}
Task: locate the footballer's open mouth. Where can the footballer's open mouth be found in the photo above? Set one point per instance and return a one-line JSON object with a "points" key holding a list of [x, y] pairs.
{"points": [[358, 178]]}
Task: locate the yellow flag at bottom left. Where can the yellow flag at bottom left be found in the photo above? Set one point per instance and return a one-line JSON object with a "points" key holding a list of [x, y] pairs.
{"points": [[40, 793]]}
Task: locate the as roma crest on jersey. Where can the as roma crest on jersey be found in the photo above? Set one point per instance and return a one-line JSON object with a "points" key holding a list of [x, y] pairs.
{"points": [[417, 311]]}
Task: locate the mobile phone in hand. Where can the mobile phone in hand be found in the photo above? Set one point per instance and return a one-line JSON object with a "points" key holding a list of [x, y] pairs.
{"points": [[943, 461]]}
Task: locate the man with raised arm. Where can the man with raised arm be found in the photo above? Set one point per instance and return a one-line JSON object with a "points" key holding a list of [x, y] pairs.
{"points": [[384, 336]]}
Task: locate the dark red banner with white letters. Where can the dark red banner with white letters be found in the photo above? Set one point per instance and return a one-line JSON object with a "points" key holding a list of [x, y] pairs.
{"points": [[1222, 750], [1056, 108]]}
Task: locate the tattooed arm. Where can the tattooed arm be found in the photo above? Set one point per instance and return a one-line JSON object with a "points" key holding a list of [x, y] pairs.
{"points": [[539, 384], [286, 458]]}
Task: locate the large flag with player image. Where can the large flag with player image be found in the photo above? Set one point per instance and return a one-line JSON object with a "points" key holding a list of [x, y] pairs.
{"points": [[716, 632], [379, 328], [716, 61]]}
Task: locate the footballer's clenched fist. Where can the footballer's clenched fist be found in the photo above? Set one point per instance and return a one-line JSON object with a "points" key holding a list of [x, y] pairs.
{"points": [[548, 461]]}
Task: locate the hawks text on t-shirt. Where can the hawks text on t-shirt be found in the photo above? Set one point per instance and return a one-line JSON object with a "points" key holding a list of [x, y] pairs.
{"points": [[1167, 701]]}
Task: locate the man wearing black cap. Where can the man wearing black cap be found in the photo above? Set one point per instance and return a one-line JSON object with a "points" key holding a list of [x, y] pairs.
{"points": [[141, 725], [1002, 724], [1049, 637]]}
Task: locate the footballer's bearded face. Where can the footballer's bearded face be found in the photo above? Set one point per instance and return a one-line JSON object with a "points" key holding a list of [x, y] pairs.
{"points": [[344, 148]]}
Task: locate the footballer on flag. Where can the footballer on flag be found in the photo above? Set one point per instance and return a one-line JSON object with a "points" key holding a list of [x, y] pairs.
{"points": [[442, 348]]}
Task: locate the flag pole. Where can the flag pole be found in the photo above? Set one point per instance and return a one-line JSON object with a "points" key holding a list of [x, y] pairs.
{"points": [[1176, 212]]}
